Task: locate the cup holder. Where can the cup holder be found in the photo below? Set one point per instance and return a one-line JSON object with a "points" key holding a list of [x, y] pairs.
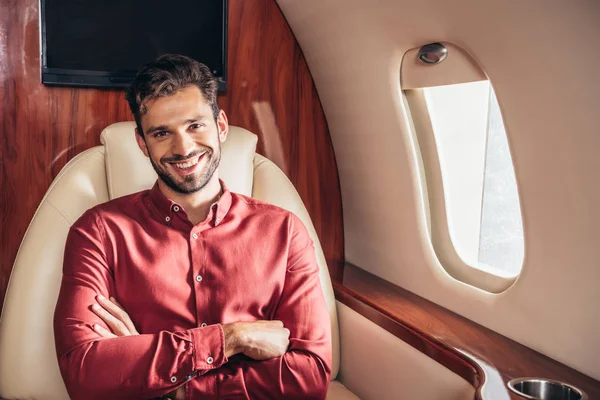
{"points": [[545, 389]]}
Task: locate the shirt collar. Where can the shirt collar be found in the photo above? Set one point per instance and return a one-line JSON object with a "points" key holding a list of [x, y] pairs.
{"points": [[166, 206]]}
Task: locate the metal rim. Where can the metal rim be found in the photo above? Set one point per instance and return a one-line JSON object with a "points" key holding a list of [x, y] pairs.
{"points": [[515, 381], [437, 50]]}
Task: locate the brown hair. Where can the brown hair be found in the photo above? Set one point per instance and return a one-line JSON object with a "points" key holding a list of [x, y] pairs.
{"points": [[165, 76]]}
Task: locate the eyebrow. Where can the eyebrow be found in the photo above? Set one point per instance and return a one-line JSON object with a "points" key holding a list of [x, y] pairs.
{"points": [[156, 128], [165, 127], [199, 118]]}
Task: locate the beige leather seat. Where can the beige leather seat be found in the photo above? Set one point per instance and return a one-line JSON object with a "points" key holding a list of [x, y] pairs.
{"points": [[28, 365]]}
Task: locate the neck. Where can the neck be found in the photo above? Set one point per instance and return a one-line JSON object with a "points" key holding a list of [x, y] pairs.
{"points": [[197, 204]]}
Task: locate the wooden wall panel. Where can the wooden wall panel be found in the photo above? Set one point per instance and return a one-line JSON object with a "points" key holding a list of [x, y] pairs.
{"points": [[270, 92]]}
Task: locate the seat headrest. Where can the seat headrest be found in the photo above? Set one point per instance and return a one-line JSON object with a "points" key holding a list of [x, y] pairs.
{"points": [[129, 171]]}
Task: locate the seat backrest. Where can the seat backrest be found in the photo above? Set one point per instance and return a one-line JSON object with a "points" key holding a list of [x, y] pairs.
{"points": [[28, 364]]}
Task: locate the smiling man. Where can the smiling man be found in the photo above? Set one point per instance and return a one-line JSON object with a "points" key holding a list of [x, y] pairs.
{"points": [[188, 290]]}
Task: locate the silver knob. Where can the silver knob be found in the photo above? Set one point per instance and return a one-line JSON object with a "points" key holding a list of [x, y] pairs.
{"points": [[433, 53]]}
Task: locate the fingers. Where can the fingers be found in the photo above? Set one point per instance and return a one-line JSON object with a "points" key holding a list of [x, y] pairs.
{"points": [[112, 308], [103, 332], [127, 321], [116, 318], [265, 339], [117, 311], [117, 303], [116, 326]]}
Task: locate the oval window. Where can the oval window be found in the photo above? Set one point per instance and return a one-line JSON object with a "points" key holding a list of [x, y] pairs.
{"points": [[478, 179]]}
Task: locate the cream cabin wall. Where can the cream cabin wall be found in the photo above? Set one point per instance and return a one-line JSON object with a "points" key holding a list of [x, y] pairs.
{"points": [[542, 59]]}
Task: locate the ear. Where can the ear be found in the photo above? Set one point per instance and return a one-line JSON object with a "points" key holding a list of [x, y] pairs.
{"points": [[222, 126], [141, 143]]}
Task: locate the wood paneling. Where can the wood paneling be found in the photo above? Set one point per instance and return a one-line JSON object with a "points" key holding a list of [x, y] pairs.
{"points": [[483, 357], [270, 92]]}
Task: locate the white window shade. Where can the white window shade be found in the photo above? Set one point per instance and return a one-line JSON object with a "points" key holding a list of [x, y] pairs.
{"points": [[479, 188]]}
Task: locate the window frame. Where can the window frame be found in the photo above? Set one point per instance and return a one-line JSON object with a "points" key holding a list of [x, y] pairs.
{"points": [[434, 200]]}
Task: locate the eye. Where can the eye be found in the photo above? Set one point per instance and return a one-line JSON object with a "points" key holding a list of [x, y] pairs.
{"points": [[196, 126], [161, 134]]}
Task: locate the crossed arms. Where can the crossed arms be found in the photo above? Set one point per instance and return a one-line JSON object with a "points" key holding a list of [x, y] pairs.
{"points": [[259, 340], [94, 365]]}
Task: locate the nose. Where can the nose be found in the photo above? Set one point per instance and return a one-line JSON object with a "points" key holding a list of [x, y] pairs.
{"points": [[182, 144]]}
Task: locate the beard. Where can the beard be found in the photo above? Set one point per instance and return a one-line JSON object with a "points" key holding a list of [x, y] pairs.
{"points": [[189, 183]]}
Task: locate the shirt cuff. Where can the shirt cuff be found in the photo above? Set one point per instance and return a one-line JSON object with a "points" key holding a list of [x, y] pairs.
{"points": [[209, 347]]}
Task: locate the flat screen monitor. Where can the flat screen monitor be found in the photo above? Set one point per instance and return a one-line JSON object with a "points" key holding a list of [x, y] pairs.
{"points": [[102, 43]]}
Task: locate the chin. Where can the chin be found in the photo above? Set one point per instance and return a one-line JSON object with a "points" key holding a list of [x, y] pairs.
{"points": [[190, 186]]}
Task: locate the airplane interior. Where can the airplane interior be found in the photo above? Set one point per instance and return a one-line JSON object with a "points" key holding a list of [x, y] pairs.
{"points": [[443, 156]]}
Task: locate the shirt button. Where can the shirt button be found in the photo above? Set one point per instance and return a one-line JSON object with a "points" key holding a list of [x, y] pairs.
{"points": [[195, 236], [198, 278], [203, 324], [175, 208], [173, 379], [209, 360], [217, 220], [167, 219]]}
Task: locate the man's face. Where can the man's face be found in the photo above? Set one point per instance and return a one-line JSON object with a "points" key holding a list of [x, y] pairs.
{"points": [[182, 139]]}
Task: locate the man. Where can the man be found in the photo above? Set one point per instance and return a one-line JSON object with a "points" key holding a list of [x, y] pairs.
{"points": [[223, 289]]}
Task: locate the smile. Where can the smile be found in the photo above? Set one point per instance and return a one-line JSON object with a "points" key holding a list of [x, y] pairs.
{"points": [[188, 165]]}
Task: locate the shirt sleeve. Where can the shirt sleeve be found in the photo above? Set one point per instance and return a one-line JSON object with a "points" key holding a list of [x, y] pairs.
{"points": [[130, 367], [304, 371]]}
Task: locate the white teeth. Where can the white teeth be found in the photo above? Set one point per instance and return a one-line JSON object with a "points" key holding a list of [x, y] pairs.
{"points": [[189, 164]]}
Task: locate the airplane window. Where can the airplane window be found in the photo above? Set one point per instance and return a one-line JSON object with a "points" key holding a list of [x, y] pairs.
{"points": [[479, 190]]}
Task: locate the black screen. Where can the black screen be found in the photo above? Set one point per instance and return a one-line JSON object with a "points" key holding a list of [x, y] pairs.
{"points": [[116, 37]]}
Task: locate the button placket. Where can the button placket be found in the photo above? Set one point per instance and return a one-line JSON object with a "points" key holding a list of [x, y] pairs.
{"points": [[198, 251], [198, 277]]}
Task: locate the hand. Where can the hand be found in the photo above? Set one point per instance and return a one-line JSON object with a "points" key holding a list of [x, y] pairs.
{"points": [[259, 340], [117, 319], [114, 315]]}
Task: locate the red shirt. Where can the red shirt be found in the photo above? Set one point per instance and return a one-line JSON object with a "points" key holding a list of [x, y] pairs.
{"points": [[248, 260]]}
